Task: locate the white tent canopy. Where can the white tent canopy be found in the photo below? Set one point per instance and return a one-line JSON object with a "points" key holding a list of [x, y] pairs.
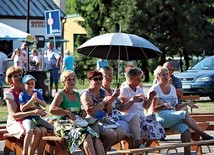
{"points": [[10, 33]]}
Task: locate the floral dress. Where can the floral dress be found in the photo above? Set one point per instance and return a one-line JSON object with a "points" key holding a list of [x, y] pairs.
{"points": [[150, 128], [73, 134], [104, 120]]}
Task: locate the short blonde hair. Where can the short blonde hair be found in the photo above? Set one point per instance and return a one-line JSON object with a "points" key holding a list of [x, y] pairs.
{"points": [[133, 71], [105, 69], [11, 71], [34, 50], [159, 70], [65, 75]]}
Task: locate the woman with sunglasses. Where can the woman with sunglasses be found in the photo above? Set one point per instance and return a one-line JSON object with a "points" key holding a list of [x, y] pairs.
{"points": [[70, 125], [97, 105], [14, 124]]}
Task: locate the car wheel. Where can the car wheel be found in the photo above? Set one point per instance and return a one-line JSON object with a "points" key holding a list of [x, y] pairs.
{"points": [[212, 98]]}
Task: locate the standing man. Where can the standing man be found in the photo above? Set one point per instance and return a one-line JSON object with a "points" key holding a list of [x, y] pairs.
{"points": [[53, 63], [3, 67], [68, 62], [174, 80]]}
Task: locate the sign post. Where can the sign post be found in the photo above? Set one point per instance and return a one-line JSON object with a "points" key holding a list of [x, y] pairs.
{"points": [[53, 22]]}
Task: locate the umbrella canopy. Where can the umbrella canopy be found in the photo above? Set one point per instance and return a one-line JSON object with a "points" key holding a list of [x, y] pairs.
{"points": [[10, 33], [119, 46]]}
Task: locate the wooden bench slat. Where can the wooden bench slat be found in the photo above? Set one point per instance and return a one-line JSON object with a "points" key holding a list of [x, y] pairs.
{"points": [[203, 118], [190, 97], [200, 113], [170, 146], [53, 138]]}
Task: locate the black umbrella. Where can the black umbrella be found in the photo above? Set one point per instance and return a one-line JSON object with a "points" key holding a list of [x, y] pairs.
{"points": [[119, 46]]}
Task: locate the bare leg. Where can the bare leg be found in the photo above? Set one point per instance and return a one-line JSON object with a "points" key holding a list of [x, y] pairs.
{"points": [[108, 137], [41, 145], [35, 141], [186, 137], [88, 146], [121, 133], [99, 147], [27, 140], [135, 129], [193, 125], [51, 87]]}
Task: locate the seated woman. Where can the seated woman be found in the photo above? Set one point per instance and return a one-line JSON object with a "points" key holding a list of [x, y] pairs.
{"points": [[97, 105], [66, 104], [165, 106], [14, 124], [132, 108]]}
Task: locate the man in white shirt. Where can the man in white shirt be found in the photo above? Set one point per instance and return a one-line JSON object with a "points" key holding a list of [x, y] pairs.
{"points": [[3, 66], [53, 63]]}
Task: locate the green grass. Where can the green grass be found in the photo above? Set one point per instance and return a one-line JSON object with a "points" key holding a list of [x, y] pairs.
{"points": [[204, 106]]}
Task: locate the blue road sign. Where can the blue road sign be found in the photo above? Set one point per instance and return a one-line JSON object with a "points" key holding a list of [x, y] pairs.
{"points": [[53, 22]]}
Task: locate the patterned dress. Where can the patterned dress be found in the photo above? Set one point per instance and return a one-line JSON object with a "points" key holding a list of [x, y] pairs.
{"points": [[150, 129], [74, 135], [104, 120]]}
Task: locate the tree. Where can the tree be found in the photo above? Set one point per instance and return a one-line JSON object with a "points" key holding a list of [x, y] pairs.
{"points": [[176, 27]]}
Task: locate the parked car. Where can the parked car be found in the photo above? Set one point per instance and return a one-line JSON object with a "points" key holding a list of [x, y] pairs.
{"points": [[199, 80]]}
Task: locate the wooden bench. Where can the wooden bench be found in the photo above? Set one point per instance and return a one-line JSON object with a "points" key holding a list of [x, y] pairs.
{"points": [[13, 144], [203, 120], [190, 97], [3, 130], [57, 144], [146, 150]]}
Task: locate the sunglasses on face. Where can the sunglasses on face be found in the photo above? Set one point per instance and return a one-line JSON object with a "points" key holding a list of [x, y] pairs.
{"points": [[17, 75], [97, 78]]}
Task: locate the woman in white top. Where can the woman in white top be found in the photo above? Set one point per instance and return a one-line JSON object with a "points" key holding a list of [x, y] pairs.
{"points": [[133, 104], [35, 60], [165, 106], [19, 59]]}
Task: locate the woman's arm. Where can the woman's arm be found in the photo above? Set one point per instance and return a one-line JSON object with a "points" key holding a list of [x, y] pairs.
{"points": [[17, 114], [87, 103], [188, 103], [159, 106], [148, 101], [56, 110]]}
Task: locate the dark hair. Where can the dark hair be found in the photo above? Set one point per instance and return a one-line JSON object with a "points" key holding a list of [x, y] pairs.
{"points": [[94, 73]]}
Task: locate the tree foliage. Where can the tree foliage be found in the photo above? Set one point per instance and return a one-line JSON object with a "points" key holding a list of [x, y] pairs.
{"points": [[179, 27]]}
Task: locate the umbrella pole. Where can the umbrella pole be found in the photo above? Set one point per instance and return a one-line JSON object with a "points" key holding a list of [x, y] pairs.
{"points": [[118, 70], [118, 74]]}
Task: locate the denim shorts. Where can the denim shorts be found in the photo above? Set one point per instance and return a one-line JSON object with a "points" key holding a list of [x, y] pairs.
{"points": [[31, 124], [172, 119], [54, 75], [1, 80]]}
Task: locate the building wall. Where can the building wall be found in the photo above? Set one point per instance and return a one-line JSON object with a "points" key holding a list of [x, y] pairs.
{"points": [[71, 28], [37, 27]]}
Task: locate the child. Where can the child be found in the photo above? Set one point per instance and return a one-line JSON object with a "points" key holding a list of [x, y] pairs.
{"points": [[31, 99]]}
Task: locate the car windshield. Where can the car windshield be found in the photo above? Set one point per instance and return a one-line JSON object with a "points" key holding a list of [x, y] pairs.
{"points": [[205, 64]]}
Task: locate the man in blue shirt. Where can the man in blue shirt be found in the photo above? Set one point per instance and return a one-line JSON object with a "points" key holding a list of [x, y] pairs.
{"points": [[68, 62], [101, 63]]}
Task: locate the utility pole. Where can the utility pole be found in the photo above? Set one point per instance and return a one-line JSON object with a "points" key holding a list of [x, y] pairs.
{"points": [[28, 14], [28, 31]]}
